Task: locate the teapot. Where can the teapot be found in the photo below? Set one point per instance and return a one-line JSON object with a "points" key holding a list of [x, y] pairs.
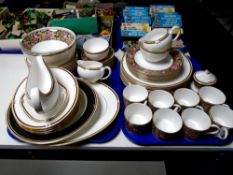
{"points": [[42, 89], [92, 71], [159, 40]]}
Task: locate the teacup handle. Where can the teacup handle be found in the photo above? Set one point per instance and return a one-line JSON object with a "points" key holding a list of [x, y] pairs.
{"points": [[177, 107], [223, 133], [215, 129], [199, 107], [35, 100], [109, 73], [171, 32]]}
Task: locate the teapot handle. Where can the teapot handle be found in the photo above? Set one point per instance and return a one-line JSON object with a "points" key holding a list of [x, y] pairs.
{"points": [[171, 32]]}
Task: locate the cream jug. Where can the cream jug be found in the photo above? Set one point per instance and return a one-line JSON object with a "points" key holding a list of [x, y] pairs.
{"points": [[92, 70]]}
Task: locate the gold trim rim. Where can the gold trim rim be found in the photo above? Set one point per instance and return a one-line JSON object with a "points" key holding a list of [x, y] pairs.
{"points": [[103, 128]]}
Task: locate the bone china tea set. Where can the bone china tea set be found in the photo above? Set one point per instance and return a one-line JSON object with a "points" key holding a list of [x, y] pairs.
{"points": [[52, 106], [155, 97]]}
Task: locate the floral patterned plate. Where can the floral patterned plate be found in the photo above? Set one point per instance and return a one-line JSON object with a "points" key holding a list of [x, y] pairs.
{"points": [[167, 70]]}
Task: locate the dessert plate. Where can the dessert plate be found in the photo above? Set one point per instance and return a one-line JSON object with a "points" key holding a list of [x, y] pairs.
{"points": [[107, 112], [76, 125]]}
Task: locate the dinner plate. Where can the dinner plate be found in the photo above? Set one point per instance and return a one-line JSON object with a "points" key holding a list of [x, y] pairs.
{"points": [[67, 132], [26, 121], [108, 109], [183, 77]]}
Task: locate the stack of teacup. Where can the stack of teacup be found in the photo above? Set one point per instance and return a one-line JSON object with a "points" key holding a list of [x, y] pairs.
{"points": [[98, 49], [184, 113]]}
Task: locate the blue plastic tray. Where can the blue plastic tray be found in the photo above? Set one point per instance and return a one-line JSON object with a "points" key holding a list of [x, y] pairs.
{"points": [[149, 139]]}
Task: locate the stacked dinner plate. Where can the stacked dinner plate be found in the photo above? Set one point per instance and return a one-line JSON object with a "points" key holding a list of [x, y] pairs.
{"points": [[172, 72], [78, 111]]}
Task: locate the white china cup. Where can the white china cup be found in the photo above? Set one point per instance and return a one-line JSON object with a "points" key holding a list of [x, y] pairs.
{"points": [[197, 123], [222, 115], [138, 118], [167, 124], [96, 48], [134, 94], [159, 99], [187, 98], [92, 71], [211, 96]]}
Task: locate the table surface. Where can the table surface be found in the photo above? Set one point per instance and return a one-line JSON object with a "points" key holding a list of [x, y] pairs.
{"points": [[209, 43]]}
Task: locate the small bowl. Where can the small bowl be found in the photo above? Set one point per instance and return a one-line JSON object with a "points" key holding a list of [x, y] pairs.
{"points": [[96, 48], [57, 45]]}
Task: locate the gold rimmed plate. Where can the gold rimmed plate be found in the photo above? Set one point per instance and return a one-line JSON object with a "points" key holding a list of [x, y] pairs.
{"points": [[75, 125], [107, 112], [180, 80], [164, 70]]}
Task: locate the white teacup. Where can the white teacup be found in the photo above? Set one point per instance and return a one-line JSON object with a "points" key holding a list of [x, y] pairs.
{"points": [[197, 123], [92, 71], [222, 115], [211, 96], [187, 98], [138, 118], [167, 124], [42, 89], [159, 99], [134, 94]]}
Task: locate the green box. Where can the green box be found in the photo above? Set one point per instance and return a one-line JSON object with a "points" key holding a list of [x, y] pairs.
{"points": [[87, 25]]}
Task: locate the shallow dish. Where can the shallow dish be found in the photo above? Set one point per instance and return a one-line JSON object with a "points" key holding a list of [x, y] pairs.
{"points": [[169, 68]]}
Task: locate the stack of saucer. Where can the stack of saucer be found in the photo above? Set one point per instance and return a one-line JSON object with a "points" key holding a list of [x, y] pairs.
{"points": [[98, 49]]}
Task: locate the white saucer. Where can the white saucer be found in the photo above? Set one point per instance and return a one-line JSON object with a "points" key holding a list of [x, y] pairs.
{"points": [[63, 77], [158, 66], [106, 113], [183, 77]]}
